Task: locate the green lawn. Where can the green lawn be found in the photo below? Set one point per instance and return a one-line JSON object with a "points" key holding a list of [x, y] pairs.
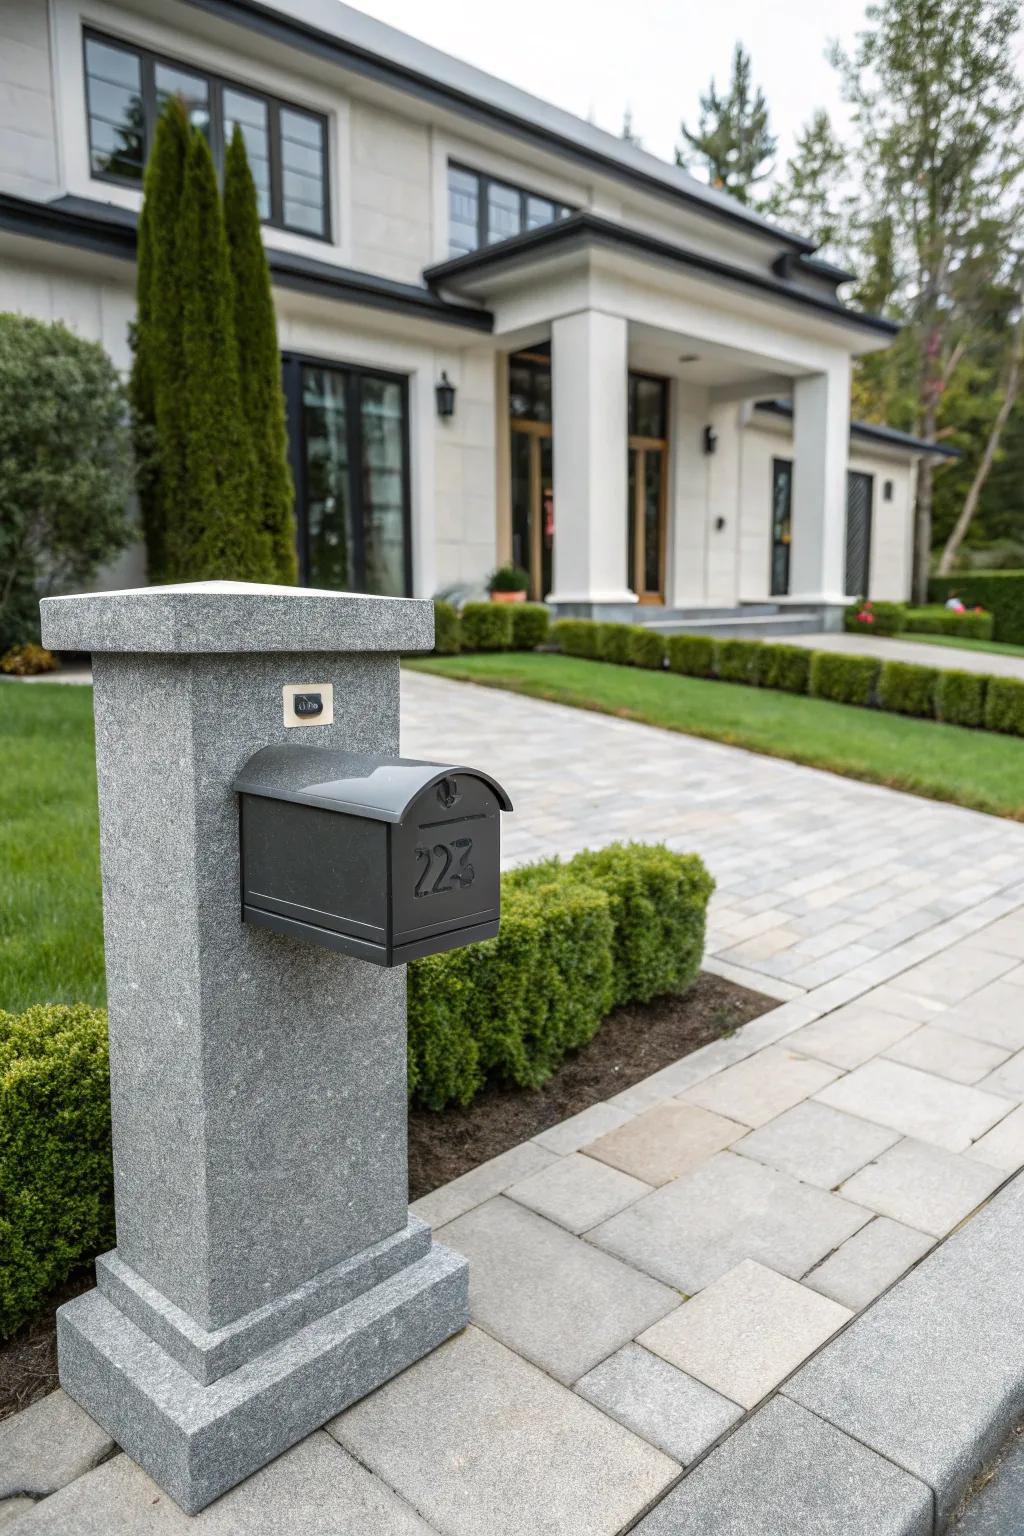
{"points": [[51, 931], [942, 762], [997, 647]]}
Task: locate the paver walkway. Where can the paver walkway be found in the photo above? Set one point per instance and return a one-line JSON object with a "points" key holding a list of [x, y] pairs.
{"points": [[645, 1275], [948, 657]]}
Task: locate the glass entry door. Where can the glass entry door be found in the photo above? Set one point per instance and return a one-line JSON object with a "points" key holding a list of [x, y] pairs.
{"points": [[859, 497], [648, 485], [533, 491], [348, 441], [782, 499]]}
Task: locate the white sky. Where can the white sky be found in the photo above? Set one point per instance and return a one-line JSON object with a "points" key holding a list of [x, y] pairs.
{"points": [[595, 57]]}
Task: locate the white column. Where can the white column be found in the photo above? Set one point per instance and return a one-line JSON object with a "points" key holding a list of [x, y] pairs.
{"points": [[589, 370], [821, 438]]}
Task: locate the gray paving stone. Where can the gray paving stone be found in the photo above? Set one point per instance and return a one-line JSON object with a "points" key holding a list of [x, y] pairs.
{"points": [[817, 1144], [482, 1442], [569, 1135], [679, 1415], [868, 1262], [315, 1489], [746, 1332], [852, 1034], [917, 1104], [1003, 1147], [665, 1142], [932, 1375], [1007, 1079], [785, 1473], [691, 1231], [994, 1015], [761, 1087], [955, 974], [996, 1509], [481, 1182], [559, 1301], [957, 1057], [922, 1186], [577, 1192], [48, 1445], [12, 1510]]}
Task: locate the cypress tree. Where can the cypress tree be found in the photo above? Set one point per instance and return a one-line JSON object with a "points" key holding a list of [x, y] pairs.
{"points": [[259, 360], [215, 530]]}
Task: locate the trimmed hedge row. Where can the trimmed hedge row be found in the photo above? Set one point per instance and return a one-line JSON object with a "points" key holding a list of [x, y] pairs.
{"points": [[1001, 593], [935, 620], [489, 627], [874, 618]]}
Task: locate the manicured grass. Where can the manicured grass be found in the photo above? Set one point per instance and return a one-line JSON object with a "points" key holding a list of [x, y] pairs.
{"points": [[943, 762], [51, 930], [997, 647]]}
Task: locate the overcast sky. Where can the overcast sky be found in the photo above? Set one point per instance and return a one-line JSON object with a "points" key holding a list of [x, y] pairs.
{"points": [[596, 57]]}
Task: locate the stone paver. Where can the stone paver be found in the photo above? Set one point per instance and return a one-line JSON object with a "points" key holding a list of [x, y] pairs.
{"points": [[577, 1192], [480, 1441], [993, 1014], [665, 1142], [559, 1301], [950, 978], [996, 1508], [852, 1035], [481, 1183], [691, 1231], [756, 1090], [916, 1103], [868, 1262], [951, 658], [679, 1415], [48, 1445], [1007, 1079], [922, 1186], [746, 1332], [819, 1145], [957, 1057], [580, 1129], [1003, 1147]]}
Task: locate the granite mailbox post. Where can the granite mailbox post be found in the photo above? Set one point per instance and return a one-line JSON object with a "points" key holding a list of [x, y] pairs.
{"points": [[267, 1270]]}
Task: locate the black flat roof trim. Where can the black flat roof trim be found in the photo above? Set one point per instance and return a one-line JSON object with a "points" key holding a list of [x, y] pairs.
{"points": [[585, 226], [892, 437], [109, 231], [300, 34]]}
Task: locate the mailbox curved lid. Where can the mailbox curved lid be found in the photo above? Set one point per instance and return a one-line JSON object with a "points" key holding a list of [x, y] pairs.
{"points": [[357, 783]]}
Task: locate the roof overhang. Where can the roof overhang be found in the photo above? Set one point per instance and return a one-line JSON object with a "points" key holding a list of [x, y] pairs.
{"points": [[888, 438]]}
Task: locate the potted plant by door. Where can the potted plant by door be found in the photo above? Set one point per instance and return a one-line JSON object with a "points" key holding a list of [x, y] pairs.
{"points": [[508, 584]]}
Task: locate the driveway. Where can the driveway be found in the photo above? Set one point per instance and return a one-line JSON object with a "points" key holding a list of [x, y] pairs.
{"points": [[949, 658]]}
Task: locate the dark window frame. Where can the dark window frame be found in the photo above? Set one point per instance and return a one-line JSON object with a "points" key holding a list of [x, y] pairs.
{"points": [[484, 181], [216, 84], [292, 365], [780, 465]]}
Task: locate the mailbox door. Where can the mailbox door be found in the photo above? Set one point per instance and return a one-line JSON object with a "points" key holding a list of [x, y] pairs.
{"points": [[445, 868]]}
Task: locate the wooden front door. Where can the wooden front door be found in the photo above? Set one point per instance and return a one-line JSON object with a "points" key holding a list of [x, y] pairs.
{"points": [[647, 486]]}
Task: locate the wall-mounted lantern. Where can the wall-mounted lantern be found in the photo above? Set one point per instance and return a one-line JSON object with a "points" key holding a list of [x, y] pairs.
{"points": [[710, 439], [444, 390], [887, 490]]}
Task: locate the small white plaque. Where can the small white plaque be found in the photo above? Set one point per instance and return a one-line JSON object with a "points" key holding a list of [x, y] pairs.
{"points": [[308, 703]]}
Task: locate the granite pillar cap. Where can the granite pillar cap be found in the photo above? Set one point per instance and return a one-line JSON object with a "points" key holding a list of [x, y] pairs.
{"points": [[205, 617]]}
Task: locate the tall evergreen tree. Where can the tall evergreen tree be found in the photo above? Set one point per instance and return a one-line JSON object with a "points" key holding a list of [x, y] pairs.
{"points": [[733, 141], [810, 194], [259, 360]]}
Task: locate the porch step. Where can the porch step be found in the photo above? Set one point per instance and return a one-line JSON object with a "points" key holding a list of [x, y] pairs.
{"points": [[751, 622]]}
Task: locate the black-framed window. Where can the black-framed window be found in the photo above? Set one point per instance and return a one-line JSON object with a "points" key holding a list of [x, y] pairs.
{"points": [[348, 431], [648, 406], [126, 88], [484, 209], [782, 524]]}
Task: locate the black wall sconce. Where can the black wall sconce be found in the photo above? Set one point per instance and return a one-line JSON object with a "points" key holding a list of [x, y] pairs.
{"points": [[710, 439], [887, 491], [444, 390]]}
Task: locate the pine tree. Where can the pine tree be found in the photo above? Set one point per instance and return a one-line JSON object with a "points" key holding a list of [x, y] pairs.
{"points": [[259, 361], [217, 529], [810, 195], [733, 141]]}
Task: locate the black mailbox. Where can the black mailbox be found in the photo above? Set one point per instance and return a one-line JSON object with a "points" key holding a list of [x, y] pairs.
{"points": [[382, 857]]}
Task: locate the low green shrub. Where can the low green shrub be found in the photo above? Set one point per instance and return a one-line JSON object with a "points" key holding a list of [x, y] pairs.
{"points": [[612, 643], [446, 629], [28, 661], [936, 620], [509, 578], [844, 679], [960, 698], [530, 624], [1000, 593], [576, 637], [738, 661], [1004, 705], [787, 667], [907, 689], [646, 647], [486, 627], [56, 1180], [870, 618], [692, 655]]}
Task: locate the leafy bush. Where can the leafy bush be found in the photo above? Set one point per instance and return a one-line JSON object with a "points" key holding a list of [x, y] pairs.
{"points": [[646, 647], [845, 679], [28, 661], [576, 637], [612, 643], [530, 624], [1001, 593], [738, 661], [692, 655], [446, 629], [868, 617], [787, 667], [1004, 705], [960, 698], [486, 627], [56, 1180], [509, 578], [935, 620], [907, 689]]}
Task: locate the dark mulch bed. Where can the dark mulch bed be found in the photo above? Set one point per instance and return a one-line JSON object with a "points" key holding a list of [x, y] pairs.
{"points": [[630, 1045]]}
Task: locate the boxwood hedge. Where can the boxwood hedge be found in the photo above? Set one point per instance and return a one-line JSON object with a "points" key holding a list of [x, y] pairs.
{"points": [[907, 689], [486, 627], [530, 624], [960, 698], [737, 661], [692, 655], [845, 679], [1001, 593]]}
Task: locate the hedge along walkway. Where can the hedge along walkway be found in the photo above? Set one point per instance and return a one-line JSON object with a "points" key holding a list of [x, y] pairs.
{"points": [[949, 658]]}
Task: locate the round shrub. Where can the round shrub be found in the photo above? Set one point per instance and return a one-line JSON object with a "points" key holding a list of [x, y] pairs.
{"points": [[907, 689], [960, 698], [787, 667], [692, 655], [28, 661], [646, 647], [530, 624], [738, 661], [1004, 705], [446, 629], [613, 643], [844, 679], [576, 637], [486, 627], [870, 618]]}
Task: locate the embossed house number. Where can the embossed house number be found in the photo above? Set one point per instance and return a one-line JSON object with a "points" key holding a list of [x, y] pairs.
{"points": [[446, 867]]}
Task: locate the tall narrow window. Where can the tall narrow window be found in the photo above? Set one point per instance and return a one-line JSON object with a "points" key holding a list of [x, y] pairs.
{"points": [[302, 171], [117, 127], [252, 116], [647, 485], [782, 497]]}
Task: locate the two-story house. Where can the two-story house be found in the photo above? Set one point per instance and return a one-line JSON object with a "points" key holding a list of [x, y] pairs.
{"points": [[650, 383]]}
